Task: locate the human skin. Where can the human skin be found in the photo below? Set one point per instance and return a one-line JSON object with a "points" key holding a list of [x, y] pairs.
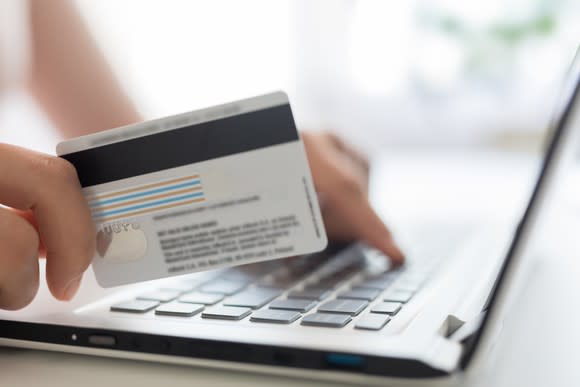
{"points": [[44, 214]]}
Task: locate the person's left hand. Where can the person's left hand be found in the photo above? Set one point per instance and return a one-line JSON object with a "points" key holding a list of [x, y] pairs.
{"points": [[341, 179]]}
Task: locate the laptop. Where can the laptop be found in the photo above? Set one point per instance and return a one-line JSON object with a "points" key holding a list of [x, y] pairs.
{"points": [[337, 315]]}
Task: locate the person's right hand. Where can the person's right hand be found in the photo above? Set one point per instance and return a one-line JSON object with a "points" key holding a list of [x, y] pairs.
{"points": [[42, 213], [341, 176]]}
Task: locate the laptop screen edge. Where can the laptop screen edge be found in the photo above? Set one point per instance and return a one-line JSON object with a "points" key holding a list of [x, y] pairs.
{"points": [[562, 126]]}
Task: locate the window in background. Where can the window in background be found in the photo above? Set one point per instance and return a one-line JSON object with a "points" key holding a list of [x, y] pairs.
{"points": [[383, 73], [434, 72], [179, 55]]}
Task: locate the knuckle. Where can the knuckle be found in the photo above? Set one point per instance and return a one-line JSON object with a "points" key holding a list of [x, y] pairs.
{"points": [[22, 241], [333, 138], [330, 135], [348, 183], [18, 262], [55, 168], [309, 139]]}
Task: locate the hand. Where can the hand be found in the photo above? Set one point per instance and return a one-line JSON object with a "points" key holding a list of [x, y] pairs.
{"points": [[43, 213], [341, 179]]}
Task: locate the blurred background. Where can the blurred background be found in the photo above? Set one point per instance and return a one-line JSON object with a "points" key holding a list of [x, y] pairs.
{"points": [[384, 74]]}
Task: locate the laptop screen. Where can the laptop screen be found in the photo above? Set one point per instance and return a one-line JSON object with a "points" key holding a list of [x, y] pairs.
{"points": [[561, 124]]}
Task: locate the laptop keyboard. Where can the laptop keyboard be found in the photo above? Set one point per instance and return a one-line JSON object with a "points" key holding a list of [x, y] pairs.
{"points": [[322, 290]]}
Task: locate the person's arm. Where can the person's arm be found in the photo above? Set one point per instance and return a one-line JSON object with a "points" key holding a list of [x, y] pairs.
{"points": [[69, 76], [341, 175], [76, 87]]}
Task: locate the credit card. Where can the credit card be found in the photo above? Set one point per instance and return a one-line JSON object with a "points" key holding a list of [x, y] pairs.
{"points": [[213, 188]]}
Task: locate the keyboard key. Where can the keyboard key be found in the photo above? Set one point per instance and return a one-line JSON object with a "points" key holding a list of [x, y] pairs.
{"points": [[160, 295], [195, 281], [334, 280], [275, 316], [250, 272], [253, 298], [182, 287], [240, 276], [407, 285], [360, 294], [180, 309], [418, 275], [352, 307], [253, 271], [306, 264], [375, 283], [326, 320], [310, 294], [135, 306], [201, 298], [284, 277], [299, 305], [399, 296], [330, 282], [223, 287], [396, 272], [226, 313], [372, 321], [386, 307], [405, 288]]}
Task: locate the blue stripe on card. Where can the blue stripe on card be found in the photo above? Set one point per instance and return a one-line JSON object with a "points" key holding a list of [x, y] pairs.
{"points": [[144, 193], [147, 205]]}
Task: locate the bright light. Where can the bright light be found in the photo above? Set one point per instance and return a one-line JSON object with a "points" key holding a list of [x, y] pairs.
{"points": [[439, 62], [178, 55], [379, 46]]}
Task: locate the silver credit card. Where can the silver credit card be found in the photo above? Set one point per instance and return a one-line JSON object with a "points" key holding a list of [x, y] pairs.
{"points": [[213, 188]]}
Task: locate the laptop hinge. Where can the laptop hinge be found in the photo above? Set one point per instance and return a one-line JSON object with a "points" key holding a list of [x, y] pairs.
{"points": [[466, 334], [451, 325], [467, 329]]}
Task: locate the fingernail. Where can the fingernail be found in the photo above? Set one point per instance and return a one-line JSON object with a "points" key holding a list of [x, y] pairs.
{"points": [[72, 288], [401, 254], [398, 258]]}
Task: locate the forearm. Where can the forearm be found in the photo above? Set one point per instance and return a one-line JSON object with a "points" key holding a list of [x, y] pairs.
{"points": [[69, 76]]}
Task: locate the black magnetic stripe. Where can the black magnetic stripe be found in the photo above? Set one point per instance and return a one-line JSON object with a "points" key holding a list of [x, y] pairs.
{"points": [[187, 145]]}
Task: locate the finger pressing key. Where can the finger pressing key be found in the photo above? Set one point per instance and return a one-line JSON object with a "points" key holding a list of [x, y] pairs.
{"points": [[367, 225]]}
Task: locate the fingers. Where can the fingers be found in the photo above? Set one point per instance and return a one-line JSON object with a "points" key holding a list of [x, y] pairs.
{"points": [[364, 223], [356, 157], [347, 212], [29, 216], [49, 187], [18, 261]]}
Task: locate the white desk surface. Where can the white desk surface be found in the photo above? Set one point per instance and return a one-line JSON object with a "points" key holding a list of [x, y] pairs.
{"points": [[538, 346]]}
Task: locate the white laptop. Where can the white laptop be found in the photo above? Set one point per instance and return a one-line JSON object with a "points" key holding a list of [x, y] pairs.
{"points": [[338, 315]]}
